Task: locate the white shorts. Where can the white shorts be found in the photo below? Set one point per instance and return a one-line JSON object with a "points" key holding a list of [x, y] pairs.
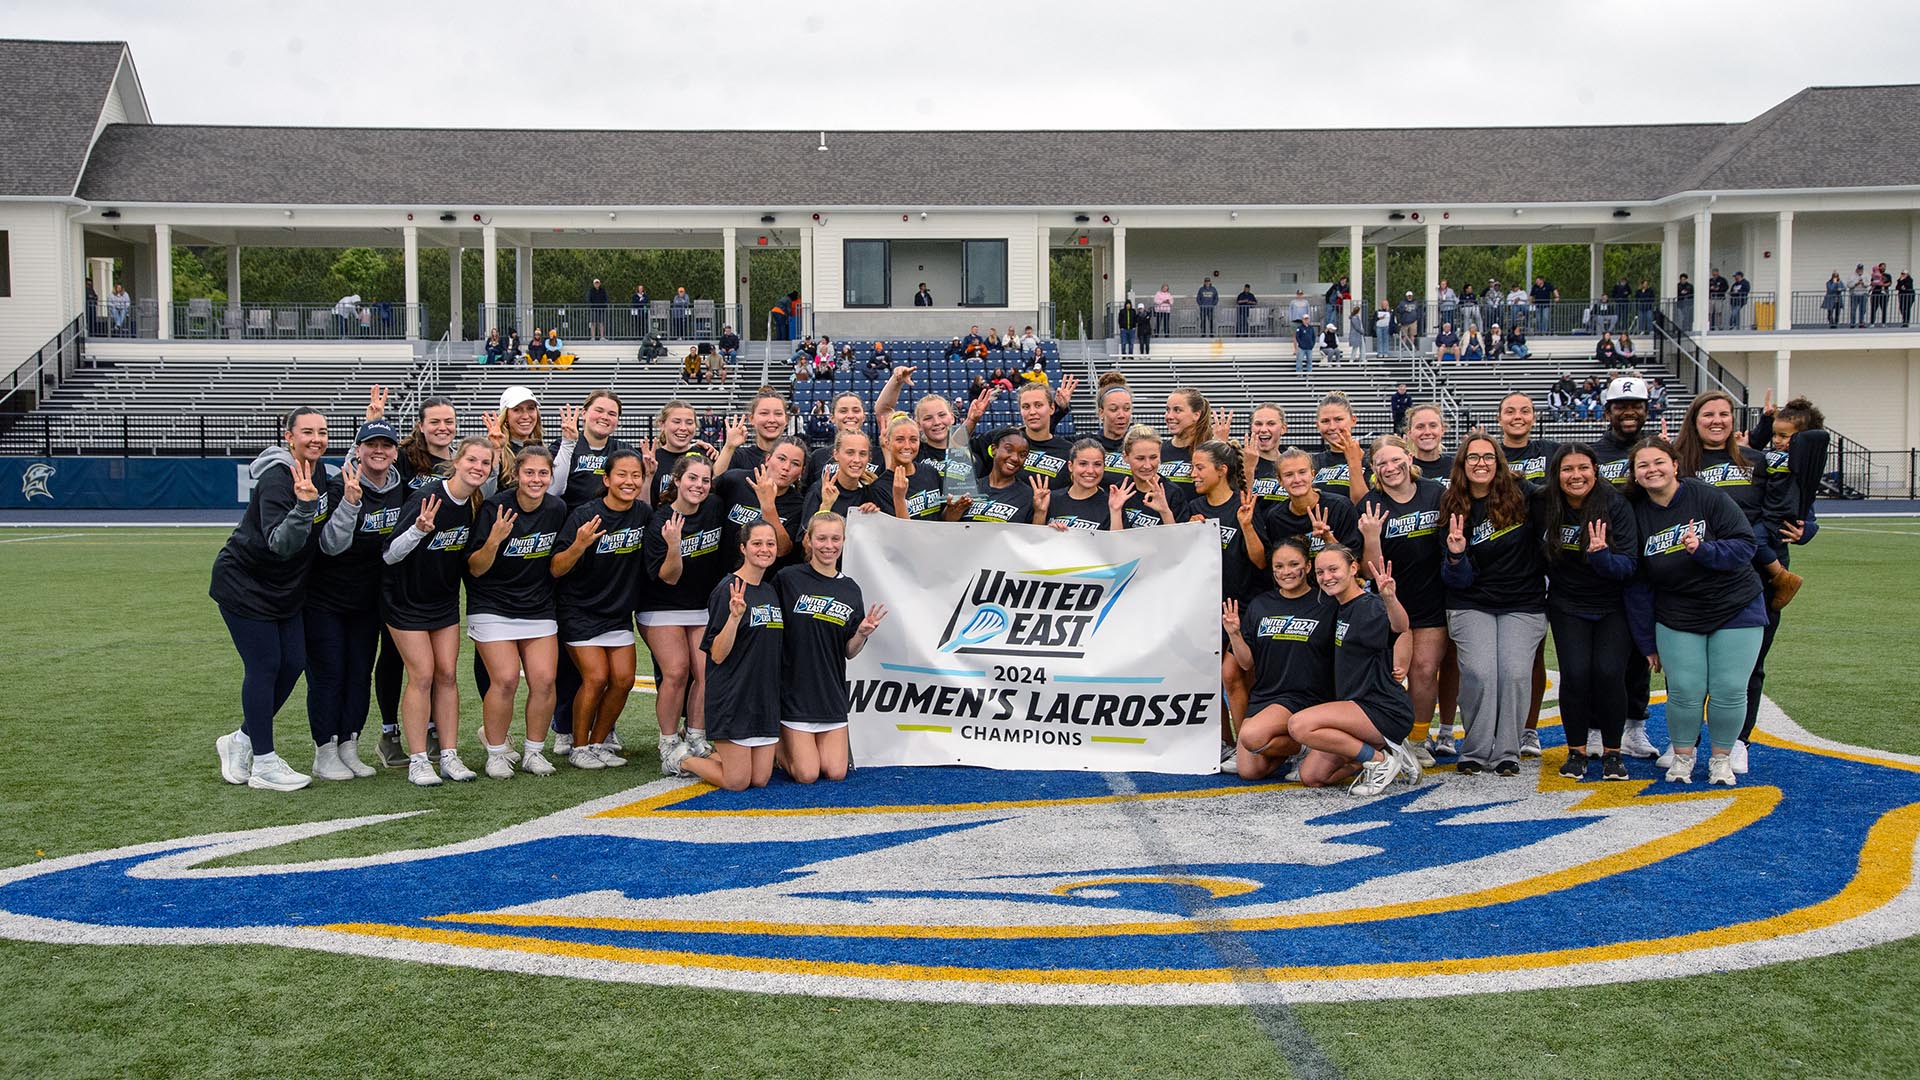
{"points": [[756, 741], [813, 728], [612, 639], [672, 618], [503, 628]]}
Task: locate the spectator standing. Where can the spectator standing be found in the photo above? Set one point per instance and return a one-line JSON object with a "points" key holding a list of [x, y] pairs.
{"points": [[1407, 318], [1621, 297], [1163, 310], [1683, 303], [1519, 309], [1299, 307], [1738, 292], [1357, 331], [1492, 299], [637, 312], [682, 309], [95, 324], [1542, 295], [1857, 296], [1337, 296], [1656, 399], [1644, 298], [1398, 404], [924, 297], [1206, 300], [1128, 322], [1469, 308], [1303, 345], [1878, 285], [1243, 308], [1382, 328], [1716, 300], [1834, 299], [1903, 290], [1143, 325], [1449, 302], [596, 311]]}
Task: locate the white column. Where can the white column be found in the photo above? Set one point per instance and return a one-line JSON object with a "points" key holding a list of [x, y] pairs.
{"points": [[1596, 269], [456, 303], [1355, 235], [1097, 315], [101, 271], [730, 272], [233, 274], [1783, 273], [808, 302], [1433, 278], [163, 280], [1782, 377], [1119, 264], [410, 258], [490, 267], [1702, 251], [1669, 258], [522, 287], [1380, 275], [1043, 277]]}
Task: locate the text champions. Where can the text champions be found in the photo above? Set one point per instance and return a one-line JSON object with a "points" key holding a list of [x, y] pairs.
{"points": [[1027, 715]]}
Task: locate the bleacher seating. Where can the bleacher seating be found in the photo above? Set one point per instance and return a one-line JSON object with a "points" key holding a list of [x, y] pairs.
{"points": [[933, 374]]}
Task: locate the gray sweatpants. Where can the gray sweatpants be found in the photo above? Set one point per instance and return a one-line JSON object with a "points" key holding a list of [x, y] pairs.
{"points": [[1496, 679]]}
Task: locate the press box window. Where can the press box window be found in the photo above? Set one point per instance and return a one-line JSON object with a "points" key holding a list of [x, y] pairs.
{"points": [[868, 273]]}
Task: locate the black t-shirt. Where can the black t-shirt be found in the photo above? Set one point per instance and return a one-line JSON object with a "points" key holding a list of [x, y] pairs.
{"points": [[415, 479], [1281, 522], [1330, 473], [1750, 482], [1135, 514], [1687, 594], [734, 491], [1439, 470], [422, 590], [743, 691], [1046, 458], [878, 494], [1236, 570], [925, 499], [251, 581], [1266, 484], [1529, 462], [663, 462], [702, 560], [747, 457], [1508, 571], [587, 476], [519, 584], [349, 583], [937, 458], [1610, 457], [597, 596], [1363, 666], [1414, 540], [822, 614], [1011, 503], [1090, 513], [1291, 640], [1574, 585], [1176, 465], [1116, 464]]}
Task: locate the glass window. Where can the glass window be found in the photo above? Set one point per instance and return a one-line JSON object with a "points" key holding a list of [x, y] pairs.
{"points": [[985, 272], [868, 274]]}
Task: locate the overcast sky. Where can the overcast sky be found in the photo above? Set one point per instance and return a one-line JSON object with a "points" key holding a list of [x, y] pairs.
{"points": [[993, 64]]}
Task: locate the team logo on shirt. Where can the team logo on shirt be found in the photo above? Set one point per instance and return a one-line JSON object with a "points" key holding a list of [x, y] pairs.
{"points": [[706, 542], [1485, 531], [742, 514], [925, 503], [1228, 533], [381, 521], [1288, 627], [1137, 518], [765, 615], [1045, 462], [1084, 524], [994, 510], [1533, 468], [1673, 538], [1036, 613], [620, 541], [1117, 463], [824, 608], [1570, 538], [1340, 631], [448, 539], [1777, 462], [1268, 487], [1333, 476], [591, 463], [1727, 474], [1616, 473], [1180, 472], [530, 546], [34, 481], [1408, 526]]}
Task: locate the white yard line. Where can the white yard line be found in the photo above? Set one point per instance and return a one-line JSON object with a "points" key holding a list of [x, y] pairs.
{"points": [[30, 539]]}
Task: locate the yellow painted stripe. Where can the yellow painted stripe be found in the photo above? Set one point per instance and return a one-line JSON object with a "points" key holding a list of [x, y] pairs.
{"points": [[923, 727], [1115, 739], [1884, 871]]}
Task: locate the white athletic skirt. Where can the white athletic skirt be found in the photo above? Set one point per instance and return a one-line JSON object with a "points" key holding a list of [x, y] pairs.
{"points": [[502, 628], [697, 617], [757, 740], [812, 728], [612, 639]]}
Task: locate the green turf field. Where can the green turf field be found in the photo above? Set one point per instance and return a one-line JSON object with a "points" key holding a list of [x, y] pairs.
{"points": [[116, 674]]}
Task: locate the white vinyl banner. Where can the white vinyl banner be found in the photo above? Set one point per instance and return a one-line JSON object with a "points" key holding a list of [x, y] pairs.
{"points": [[1020, 647]]}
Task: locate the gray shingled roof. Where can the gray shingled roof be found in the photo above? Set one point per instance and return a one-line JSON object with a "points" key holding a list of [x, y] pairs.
{"points": [[1805, 142], [49, 101]]}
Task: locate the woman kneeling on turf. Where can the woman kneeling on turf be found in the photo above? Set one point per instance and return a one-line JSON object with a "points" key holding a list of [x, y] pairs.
{"points": [[743, 647], [827, 624], [1362, 729], [1284, 639]]}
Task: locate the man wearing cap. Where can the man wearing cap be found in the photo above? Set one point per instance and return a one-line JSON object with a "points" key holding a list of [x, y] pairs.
{"points": [[597, 311], [1407, 317], [1206, 300], [1243, 305], [1626, 415]]}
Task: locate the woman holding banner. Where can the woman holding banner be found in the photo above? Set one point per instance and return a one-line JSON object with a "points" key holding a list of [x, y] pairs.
{"points": [[827, 623], [1283, 638]]}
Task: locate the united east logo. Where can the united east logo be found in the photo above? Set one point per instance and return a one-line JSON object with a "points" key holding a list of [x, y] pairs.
{"points": [[824, 608], [530, 546], [1036, 613], [33, 483]]}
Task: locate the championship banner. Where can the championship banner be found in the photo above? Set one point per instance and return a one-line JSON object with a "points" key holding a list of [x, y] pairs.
{"points": [[1021, 647]]}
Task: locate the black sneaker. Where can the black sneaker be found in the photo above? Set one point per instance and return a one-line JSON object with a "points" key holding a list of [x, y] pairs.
{"points": [[1470, 768], [1507, 768], [1575, 767], [1612, 767]]}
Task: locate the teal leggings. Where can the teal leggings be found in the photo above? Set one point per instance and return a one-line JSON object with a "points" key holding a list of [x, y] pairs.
{"points": [[1707, 671]]}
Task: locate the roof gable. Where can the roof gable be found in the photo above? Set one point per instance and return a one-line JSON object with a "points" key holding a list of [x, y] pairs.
{"points": [[49, 105]]}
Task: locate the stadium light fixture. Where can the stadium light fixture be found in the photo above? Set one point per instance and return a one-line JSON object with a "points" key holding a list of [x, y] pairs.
{"points": [[1081, 219], [1396, 216], [1623, 213], [449, 216], [766, 219], [109, 213]]}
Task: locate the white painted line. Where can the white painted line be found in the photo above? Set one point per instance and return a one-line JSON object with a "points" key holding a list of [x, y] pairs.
{"points": [[30, 539], [1875, 532]]}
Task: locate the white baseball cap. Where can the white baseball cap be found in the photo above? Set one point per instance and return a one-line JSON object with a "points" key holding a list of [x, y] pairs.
{"points": [[1627, 388], [514, 395]]}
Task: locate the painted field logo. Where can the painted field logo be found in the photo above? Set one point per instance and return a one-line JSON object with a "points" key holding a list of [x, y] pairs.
{"points": [[980, 885], [1034, 613]]}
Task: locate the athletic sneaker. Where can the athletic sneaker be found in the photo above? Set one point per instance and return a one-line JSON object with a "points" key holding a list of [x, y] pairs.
{"points": [[535, 762], [390, 751], [1529, 743], [433, 742], [420, 773], [1376, 776], [1509, 767], [1442, 745], [272, 773], [1681, 771], [607, 757], [1291, 774], [1409, 763], [326, 762], [236, 756], [584, 757], [1665, 760], [681, 751], [562, 744], [613, 742], [1739, 757], [1720, 769], [498, 766], [698, 744], [1229, 759], [1594, 749], [1423, 753], [1612, 766], [452, 768], [1636, 743], [1469, 768], [1575, 767], [669, 745], [349, 754]]}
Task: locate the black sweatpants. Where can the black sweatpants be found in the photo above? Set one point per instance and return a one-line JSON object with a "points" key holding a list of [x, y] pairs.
{"points": [[388, 673], [273, 655], [1593, 667], [340, 653]]}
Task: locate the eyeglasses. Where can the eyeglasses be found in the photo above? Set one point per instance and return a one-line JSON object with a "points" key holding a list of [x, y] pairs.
{"points": [[1482, 459]]}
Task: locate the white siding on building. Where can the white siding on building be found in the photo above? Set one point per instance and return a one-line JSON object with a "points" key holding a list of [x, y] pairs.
{"points": [[1274, 261], [1823, 243], [1020, 231], [36, 242], [1868, 396]]}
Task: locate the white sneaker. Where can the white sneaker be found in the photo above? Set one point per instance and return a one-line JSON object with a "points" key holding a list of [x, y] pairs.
{"points": [[535, 762], [1291, 772], [1594, 749], [1720, 770], [562, 745], [670, 765], [1409, 763], [498, 766], [699, 744], [669, 745], [452, 768], [1666, 757], [1636, 744], [1230, 760], [272, 773], [1423, 753], [1681, 771], [585, 757], [326, 762], [390, 751], [607, 757], [349, 754], [613, 742], [1739, 757], [420, 773], [1376, 775], [1529, 743], [236, 756], [1442, 743]]}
